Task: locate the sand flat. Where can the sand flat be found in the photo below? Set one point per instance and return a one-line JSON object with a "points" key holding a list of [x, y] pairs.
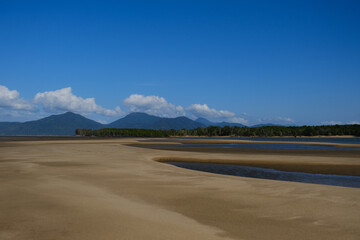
{"points": [[200, 140], [103, 189]]}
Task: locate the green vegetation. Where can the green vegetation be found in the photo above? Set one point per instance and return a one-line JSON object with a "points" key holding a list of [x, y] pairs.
{"points": [[266, 131]]}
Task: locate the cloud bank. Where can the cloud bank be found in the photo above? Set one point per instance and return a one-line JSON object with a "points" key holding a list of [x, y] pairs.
{"points": [[153, 105], [64, 100]]}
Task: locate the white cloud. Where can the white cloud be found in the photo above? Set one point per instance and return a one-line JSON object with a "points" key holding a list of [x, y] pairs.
{"points": [[64, 100], [203, 110], [238, 120], [153, 105], [102, 121], [331, 123], [285, 119], [339, 122], [277, 120], [10, 99]]}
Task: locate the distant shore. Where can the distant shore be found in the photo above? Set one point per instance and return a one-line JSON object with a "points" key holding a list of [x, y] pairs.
{"points": [[33, 138], [319, 136], [234, 141]]}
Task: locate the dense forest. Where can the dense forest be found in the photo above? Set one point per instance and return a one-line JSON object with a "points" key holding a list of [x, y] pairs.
{"points": [[266, 131]]}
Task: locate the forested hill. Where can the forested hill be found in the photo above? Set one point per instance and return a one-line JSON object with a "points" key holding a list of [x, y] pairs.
{"points": [[208, 123], [146, 121], [266, 131]]}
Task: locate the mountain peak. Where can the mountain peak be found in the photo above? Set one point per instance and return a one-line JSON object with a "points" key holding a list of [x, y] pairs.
{"points": [[66, 115], [69, 113], [61, 124], [147, 121], [140, 114]]}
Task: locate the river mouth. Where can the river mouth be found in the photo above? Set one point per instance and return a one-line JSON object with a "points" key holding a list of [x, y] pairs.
{"points": [[266, 173]]}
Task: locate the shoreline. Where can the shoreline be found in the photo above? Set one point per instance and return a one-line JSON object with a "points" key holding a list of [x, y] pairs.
{"points": [[228, 141], [318, 136], [163, 141], [289, 152]]}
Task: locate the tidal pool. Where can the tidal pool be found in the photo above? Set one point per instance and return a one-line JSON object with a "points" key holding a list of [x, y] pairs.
{"points": [[265, 173]]}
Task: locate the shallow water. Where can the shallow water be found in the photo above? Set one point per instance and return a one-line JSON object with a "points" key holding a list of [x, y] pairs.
{"points": [[284, 146], [288, 139], [265, 173]]}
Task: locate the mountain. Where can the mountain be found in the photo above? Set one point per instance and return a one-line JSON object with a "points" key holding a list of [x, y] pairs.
{"points": [[63, 124], [223, 124], [66, 124], [146, 121], [4, 125], [205, 121], [135, 120], [219, 124], [176, 123]]}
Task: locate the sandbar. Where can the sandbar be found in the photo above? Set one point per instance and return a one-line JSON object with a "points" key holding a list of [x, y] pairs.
{"points": [[105, 189]]}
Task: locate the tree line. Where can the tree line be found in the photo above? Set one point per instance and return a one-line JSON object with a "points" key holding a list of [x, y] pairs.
{"points": [[212, 131]]}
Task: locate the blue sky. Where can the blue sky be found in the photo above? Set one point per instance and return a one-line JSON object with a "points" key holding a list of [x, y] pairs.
{"points": [[288, 62]]}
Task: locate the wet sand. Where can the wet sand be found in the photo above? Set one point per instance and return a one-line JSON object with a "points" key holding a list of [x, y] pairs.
{"points": [[227, 141], [332, 162], [104, 189]]}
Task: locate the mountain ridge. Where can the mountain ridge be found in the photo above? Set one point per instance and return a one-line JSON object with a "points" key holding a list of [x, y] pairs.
{"points": [[65, 124], [208, 123], [53, 125], [147, 121]]}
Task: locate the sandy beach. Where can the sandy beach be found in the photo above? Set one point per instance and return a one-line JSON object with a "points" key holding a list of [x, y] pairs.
{"points": [[106, 189]]}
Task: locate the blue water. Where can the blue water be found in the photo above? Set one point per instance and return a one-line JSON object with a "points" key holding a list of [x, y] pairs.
{"points": [[284, 146], [288, 139], [265, 173]]}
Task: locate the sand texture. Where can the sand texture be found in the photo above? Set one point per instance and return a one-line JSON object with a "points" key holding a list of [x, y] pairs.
{"points": [[104, 189]]}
